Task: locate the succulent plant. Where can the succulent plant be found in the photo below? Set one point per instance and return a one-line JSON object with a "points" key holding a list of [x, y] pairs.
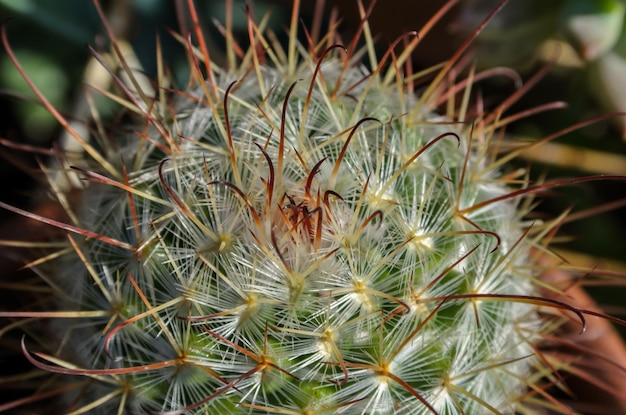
{"points": [[300, 233]]}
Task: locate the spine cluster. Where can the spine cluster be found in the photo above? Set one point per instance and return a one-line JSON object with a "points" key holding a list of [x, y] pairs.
{"points": [[308, 252]]}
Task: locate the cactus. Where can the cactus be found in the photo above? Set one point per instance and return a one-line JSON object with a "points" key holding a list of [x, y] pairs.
{"points": [[299, 233]]}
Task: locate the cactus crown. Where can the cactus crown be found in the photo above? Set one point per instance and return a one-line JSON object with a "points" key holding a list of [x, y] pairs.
{"points": [[298, 233]]}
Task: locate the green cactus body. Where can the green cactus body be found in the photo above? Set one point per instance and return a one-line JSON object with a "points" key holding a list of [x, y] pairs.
{"points": [[298, 256], [301, 237]]}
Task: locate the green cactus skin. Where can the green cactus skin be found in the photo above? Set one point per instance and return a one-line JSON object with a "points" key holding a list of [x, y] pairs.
{"points": [[301, 236], [302, 260]]}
